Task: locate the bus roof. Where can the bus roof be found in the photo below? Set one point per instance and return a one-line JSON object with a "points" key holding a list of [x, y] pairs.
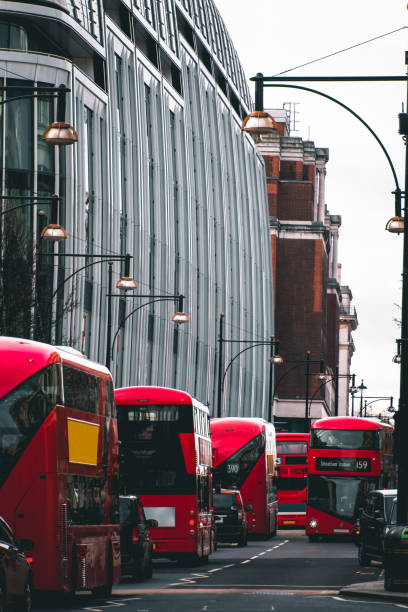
{"points": [[349, 422], [287, 435], [228, 434], [155, 395], [20, 359]]}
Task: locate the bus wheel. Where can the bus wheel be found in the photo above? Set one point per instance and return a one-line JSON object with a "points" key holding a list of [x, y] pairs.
{"points": [[189, 560], [74, 573], [243, 539], [388, 586], [362, 555], [105, 590], [25, 604], [313, 538], [2, 598]]}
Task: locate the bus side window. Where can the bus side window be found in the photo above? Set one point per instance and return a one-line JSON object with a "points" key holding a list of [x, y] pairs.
{"points": [[81, 390], [110, 406]]}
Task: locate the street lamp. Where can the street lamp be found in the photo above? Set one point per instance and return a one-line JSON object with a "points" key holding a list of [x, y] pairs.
{"points": [[178, 317], [376, 398], [298, 363], [335, 379], [353, 391], [124, 283], [52, 232], [361, 387], [274, 358], [57, 133]]}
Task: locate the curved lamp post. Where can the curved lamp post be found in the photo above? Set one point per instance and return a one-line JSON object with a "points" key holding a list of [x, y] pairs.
{"points": [[324, 382], [124, 283], [377, 398], [51, 233], [178, 317], [396, 225], [306, 362], [57, 133], [274, 358]]}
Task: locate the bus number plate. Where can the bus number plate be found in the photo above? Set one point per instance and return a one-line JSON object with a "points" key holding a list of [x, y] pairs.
{"points": [[343, 464]]}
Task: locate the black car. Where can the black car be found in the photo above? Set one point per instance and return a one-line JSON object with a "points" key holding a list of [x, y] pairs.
{"points": [[378, 511], [136, 544], [231, 524], [15, 571]]}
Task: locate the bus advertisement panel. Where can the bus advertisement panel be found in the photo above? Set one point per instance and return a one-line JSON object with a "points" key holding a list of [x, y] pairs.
{"points": [[348, 456], [244, 458], [165, 458], [291, 463], [59, 458]]}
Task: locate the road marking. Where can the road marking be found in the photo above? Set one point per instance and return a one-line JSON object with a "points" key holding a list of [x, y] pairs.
{"points": [[217, 569], [254, 557], [247, 561], [262, 553], [230, 565], [352, 600], [200, 576], [400, 606]]}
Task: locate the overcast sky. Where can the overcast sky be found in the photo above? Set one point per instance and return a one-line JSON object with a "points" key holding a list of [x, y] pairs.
{"points": [[271, 37]]}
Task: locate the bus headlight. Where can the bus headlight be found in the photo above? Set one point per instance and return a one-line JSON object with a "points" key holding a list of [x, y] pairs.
{"points": [[313, 524]]}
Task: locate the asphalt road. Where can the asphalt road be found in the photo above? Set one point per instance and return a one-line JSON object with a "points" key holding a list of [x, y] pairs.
{"points": [[284, 573]]}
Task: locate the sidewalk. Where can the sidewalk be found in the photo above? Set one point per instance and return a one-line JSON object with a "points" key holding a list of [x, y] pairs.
{"points": [[374, 589]]}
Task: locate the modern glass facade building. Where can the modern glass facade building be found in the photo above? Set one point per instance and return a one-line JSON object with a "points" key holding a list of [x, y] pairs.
{"points": [[161, 171]]}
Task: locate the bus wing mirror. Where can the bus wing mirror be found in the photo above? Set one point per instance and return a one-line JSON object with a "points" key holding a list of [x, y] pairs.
{"points": [[248, 507], [26, 544]]}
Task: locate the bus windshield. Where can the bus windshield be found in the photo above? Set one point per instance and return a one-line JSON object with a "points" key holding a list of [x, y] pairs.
{"points": [[151, 455], [344, 439], [339, 496], [233, 472], [22, 411]]}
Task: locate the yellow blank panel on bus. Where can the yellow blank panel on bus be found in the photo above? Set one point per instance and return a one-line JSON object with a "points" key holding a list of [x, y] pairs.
{"points": [[82, 442]]}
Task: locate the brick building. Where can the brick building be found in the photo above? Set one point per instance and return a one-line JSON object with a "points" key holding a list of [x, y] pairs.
{"points": [[311, 305]]}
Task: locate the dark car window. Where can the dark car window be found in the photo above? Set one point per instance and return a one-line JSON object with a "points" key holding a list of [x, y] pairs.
{"points": [[128, 511], [142, 517], [378, 506], [368, 506], [393, 513], [389, 503], [5, 533], [224, 501]]}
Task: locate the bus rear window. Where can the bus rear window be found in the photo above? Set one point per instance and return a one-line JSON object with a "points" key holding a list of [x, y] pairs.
{"points": [[291, 448], [344, 439], [151, 454]]}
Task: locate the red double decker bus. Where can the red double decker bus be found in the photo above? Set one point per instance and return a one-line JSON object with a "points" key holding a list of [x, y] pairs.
{"points": [[291, 449], [165, 458], [244, 458], [59, 457], [348, 456]]}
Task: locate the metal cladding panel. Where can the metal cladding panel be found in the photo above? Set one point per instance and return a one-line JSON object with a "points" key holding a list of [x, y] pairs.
{"points": [[175, 183]]}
